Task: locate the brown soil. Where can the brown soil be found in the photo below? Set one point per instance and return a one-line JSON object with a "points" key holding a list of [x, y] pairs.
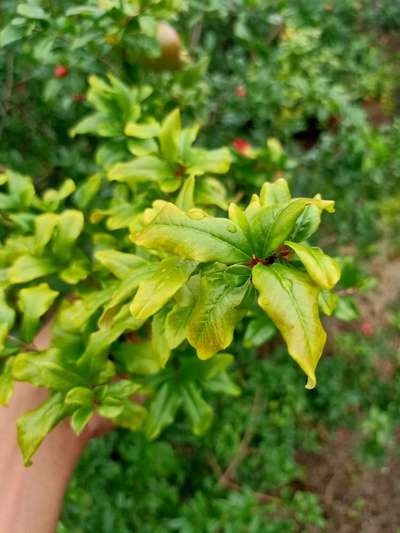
{"points": [[375, 304], [355, 498]]}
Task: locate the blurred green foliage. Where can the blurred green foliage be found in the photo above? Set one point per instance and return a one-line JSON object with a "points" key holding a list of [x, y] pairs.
{"points": [[312, 87]]}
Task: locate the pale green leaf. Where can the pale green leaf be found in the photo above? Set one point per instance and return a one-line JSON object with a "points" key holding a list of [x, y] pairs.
{"points": [[26, 268], [185, 197], [194, 235], [328, 302], [33, 426], [215, 315], [290, 299], [159, 342], [46, 370], [321, 268], [210, 192], [7, 317], [120, 264], [45, 225], [6, 382], [203, 161], [81, 417], [69, 227], [144, 130], [276, 192], [278, 224], [141, 169], [169, 136], [34, 302], [307, 223], [32, 12], [79, 396], [155, 291]]}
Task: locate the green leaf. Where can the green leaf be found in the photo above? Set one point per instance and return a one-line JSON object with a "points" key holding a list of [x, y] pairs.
{"points": [[321, 268], [169, 136], [210, 191], [132, 415], [80, 418], [186, 139], [52, 198], [307, 224], [124, 388], [10, 34], [291, 300], [159, 342], [198, 410], [7, 317], [176, 325], [110, 408], [276, 224], [163, 408], [98, 124], [137, 358], [328, 302], [142, 147], [70, 226], [79, 396], [6, 382], [194, 235], [94, 358], [26, 268], [185, 198], [215, 315], [259, 331], [276, 192], [46, 370], [32, 12], [120, 264], [34, 425], [74, 316], [45, 225], [87, 191], [178, 318], [76, 271], [141, 169], [346, 309], [202, 161], [145, 130], [33, 303], [155, 291]]}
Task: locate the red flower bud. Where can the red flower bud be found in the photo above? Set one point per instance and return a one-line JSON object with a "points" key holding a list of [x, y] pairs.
{"points": [[367, 329], [60, 71], [241, 91], [242, 146]]}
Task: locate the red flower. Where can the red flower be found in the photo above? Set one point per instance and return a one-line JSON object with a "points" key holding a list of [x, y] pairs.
{"points": [[241, 91], [242, 146], [367, 329], [60, 71]]}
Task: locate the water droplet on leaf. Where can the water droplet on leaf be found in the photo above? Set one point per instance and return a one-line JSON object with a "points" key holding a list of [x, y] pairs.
{"points": [[197, 214]]}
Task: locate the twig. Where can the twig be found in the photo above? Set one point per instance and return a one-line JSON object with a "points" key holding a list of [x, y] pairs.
{"points": [[7, 91], [226, 477], [24, 345], [196, 34]]}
